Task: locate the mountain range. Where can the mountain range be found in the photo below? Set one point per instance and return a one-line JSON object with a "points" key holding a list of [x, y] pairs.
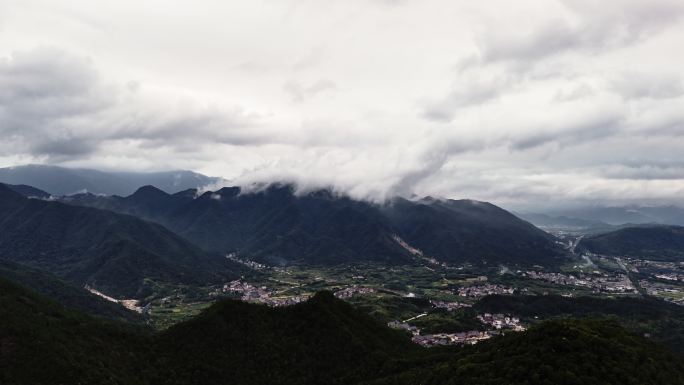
{"points": [[606, 216], [64, 181], [152, 243], [277, 226], [117, 254]]}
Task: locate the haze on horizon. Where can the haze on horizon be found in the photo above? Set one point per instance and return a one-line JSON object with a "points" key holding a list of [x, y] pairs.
{"points": [[538, 103]]}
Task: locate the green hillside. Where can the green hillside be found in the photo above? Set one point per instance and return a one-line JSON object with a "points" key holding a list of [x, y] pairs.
{"points": [[323, 341], [112, 252], [660, 243], [64, 293], [556, 352], [42, 342]]}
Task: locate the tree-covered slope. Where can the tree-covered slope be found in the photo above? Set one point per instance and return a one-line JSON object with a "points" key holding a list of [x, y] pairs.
{"points": [[323, 341], [653, 242], [43, 343], [555, 352], [112, 252], [64, 293], [273, 225], [276, 225], [471, 231], [663, 321]]}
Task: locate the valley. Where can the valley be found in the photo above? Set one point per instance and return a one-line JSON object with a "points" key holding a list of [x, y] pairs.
{"points": [[457, 278], [439, 304]]}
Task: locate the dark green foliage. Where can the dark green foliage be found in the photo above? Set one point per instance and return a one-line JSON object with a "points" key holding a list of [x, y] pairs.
{"points": [[555, 352], [109, 251], [278, 227], [660, 243], [41, 342], [390, 307], [64, 293], [323, 341], [662, 320], [273, 225], [471, 231]]}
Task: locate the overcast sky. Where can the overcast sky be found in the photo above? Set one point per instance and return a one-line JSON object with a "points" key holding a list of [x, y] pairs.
{"points": [[516, 102]]}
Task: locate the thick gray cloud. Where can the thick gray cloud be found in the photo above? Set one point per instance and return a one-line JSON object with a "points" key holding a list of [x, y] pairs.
{"points": [[538, 101], [55, 104]]}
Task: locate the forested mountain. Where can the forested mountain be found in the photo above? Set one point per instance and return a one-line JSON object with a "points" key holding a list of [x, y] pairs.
{"points": [[44, 343], [29, 191], [471, 231], [64, 293], [112, 252], [63, 181], [321, 341], [664, 243], [277, 226]]}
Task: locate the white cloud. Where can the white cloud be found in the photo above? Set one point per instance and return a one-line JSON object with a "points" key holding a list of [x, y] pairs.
{"points": [[537, 101]]}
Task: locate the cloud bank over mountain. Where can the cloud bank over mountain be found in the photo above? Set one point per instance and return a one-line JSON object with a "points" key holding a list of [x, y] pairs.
{"points": [[537, 101]]}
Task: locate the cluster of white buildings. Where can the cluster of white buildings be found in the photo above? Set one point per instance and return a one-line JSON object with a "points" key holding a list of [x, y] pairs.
{"points": [[670, 276], [501, 321], [483, 290], [495, 321], [251, 264], [600, 282], [349, 292], [248, 292], [251, 293], [449, 306]]}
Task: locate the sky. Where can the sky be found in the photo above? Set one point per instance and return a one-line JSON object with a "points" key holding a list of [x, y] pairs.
{"points": [[524, 103]]}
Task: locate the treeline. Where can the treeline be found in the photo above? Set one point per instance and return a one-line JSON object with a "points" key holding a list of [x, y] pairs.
{"points": [[661, 320], [322, 341]]}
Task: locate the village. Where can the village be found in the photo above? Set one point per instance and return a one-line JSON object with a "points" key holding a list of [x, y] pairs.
{"points": [[496, 323], [263, 295], [598, 282], [353, 290], [483, 290]]}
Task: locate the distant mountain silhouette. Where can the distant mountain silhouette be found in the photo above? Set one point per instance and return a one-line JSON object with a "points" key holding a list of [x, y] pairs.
{"points": [[29, 191], [549, 221], [664, 243], [63, 181], [114, 253], [278, 227], [616, 215]]}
